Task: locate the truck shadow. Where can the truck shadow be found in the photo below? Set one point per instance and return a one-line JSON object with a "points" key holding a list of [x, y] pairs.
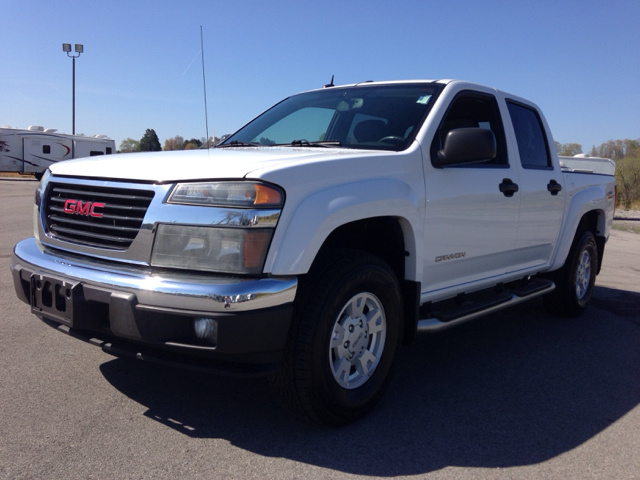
{"points": [[515, 388]]}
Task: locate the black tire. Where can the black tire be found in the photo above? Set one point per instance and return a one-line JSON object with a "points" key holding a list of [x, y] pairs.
{"points": [[38, 175], [307, 384], [575, 280]]}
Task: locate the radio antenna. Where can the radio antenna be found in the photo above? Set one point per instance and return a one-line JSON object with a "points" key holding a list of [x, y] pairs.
{"points": [[204, 84], [329, 85]]}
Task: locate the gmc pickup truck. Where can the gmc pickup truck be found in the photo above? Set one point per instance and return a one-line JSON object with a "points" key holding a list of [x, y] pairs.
{"points": [[319, 238]]}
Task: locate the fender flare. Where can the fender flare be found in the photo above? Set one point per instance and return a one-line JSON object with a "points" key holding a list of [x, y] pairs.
{"points": [[585, 201], [319, 214]]}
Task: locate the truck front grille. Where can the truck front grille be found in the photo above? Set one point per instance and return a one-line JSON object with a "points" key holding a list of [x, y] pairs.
{"points": [[100, 217]]}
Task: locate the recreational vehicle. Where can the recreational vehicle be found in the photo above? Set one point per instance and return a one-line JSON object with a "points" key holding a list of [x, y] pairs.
{"points": [[33, 150]]}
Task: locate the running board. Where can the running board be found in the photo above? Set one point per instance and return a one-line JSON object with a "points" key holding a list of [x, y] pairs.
{"points": [[429, 325]]}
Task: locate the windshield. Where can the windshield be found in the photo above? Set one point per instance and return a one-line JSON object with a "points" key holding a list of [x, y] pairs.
{"points": [[379, 117]]}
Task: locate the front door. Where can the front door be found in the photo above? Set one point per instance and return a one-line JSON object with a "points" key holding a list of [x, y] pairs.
{"points": [[472, 211]]}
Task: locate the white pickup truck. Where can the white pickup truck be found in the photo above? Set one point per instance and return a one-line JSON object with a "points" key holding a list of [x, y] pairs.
{"points": [[319, 238]]}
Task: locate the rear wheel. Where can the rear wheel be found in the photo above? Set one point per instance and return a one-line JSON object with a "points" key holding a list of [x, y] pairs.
{"points": [[342, 347], [575, 280]]}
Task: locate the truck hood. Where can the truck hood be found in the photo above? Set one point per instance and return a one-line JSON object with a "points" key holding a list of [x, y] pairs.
{"points": [[188, 164]]}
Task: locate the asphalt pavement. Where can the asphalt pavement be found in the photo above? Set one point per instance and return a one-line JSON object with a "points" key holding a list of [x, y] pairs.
{"points": [[519, 394]]}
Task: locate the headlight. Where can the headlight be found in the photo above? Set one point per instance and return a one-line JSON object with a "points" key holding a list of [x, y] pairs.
{"points": [[227, 194], [229, 250]]}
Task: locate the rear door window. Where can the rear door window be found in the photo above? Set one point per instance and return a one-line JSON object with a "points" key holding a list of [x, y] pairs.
{"points": [[532, 142]]}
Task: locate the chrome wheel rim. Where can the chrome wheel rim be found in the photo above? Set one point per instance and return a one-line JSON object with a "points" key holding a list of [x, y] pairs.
{"points": [[357, 340], [583, 275]]}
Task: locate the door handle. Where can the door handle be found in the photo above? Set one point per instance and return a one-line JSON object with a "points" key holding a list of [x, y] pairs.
{"points": [[508, 187], [554, 187]]}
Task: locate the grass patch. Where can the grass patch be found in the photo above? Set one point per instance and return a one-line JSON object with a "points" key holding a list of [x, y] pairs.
{"points": [[626, 227]]}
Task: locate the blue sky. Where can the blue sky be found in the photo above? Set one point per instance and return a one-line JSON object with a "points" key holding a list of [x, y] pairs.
{"points": [[578, 60]]}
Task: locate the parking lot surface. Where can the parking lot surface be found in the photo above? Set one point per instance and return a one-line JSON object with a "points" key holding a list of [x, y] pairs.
{"points": [[519, 394]]}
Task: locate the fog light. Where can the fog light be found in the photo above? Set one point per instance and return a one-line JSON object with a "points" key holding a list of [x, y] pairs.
{"points": [[206, 329]]}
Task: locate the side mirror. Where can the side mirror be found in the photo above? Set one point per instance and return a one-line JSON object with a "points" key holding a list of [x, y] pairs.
{"points": [[466, 145]]}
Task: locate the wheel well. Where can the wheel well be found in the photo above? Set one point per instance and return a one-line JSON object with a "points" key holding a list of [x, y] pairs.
{"points": [[593, 221], [381, 236], [384, 238], [589, 221]]}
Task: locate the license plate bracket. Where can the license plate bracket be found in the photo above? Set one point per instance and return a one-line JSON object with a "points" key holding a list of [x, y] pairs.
{"points": [[55, 298]]}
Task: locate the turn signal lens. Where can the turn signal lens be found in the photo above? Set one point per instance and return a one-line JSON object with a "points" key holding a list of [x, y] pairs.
{"points": [[227, 194], [266, 195], [256, 243]]}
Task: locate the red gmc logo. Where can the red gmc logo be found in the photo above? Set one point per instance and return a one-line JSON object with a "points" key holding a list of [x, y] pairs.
{"points": [[79, 208]]}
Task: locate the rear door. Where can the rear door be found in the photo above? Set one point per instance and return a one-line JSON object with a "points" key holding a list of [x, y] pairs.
{"points": [[541, 186]]}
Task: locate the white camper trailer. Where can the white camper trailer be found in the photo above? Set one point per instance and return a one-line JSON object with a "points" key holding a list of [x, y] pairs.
{"points": [[34, 149]]}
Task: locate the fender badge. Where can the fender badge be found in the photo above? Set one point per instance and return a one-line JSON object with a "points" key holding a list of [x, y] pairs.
{"points": [[451, 256]]}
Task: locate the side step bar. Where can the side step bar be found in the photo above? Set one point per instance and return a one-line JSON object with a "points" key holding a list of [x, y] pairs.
{"points": [[430, 325]]}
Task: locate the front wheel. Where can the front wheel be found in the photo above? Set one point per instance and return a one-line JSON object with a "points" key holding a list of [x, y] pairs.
{"points": [[342, 347], [575, 280]]}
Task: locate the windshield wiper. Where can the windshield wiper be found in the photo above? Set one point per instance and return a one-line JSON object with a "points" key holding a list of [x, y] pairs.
{"points": [[320, 143], [295, 143], [236, 143]]}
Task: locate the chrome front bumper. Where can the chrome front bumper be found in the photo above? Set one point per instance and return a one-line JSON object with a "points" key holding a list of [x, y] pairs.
{"points": [[153, 307], [179, 291]]}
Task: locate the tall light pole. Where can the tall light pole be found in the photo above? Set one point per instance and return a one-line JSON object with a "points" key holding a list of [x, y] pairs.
{"points": [[66, 47]]}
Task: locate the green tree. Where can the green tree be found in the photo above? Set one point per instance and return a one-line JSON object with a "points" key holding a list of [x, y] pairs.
{"points": [[633, 148], [149, 141], [568, 149], [617, 149], [628, 181], [194, 141], [129, 145]]}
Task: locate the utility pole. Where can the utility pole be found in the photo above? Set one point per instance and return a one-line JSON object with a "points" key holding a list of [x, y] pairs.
{"points": [[79, 48]]}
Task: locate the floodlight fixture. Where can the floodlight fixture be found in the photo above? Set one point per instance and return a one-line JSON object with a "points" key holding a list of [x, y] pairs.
{"points": [[66, 47], [79, 48]]}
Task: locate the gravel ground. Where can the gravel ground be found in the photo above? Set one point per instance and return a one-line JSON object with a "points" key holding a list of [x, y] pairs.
{"points": [[627, 220], [621, 213]]}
